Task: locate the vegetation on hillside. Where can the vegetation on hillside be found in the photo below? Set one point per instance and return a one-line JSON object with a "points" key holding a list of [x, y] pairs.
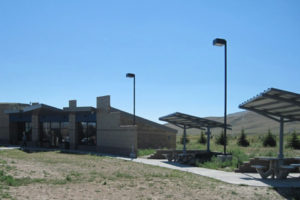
{"points": [[202, 139], [221, 139], [294, 141], [187, 139], [239, 154], [269, 140], [242, 140]]}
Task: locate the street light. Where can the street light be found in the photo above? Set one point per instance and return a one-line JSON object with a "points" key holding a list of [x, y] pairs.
{"points": [[221, 42], [131, 75]]}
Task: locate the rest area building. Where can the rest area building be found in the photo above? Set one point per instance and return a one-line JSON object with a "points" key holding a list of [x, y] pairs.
{"points": [[102, 129]]}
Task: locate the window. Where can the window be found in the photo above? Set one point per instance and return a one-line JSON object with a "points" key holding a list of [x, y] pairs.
{"points": [[87, 133], [24, 126], [64, 130]]}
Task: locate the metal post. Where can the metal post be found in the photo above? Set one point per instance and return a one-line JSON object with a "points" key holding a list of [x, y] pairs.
{"points": [[208, 139], [134, 100], [280, 155], [225, 103], [184, 140]]}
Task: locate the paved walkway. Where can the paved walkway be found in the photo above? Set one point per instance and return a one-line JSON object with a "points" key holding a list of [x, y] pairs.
{"points": [[250, 179], [8, 148]]}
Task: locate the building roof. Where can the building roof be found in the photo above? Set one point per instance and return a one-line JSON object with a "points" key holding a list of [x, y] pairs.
{"points": [[33, 108], [79, 109], [275, 103], [189, 121]]}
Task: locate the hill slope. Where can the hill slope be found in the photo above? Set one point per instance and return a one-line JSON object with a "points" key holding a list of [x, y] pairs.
{"points": [[250, 121]]}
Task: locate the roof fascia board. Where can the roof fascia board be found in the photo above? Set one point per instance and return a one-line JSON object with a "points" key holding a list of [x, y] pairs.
{"points": [[264, 113]]}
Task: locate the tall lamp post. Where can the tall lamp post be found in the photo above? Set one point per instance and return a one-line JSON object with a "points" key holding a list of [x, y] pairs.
{"points": [[222, 42], [131, 75]]}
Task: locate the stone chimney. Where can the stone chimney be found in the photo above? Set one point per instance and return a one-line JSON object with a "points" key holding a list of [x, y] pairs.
{"points": [[103, 103], [72, 104]]}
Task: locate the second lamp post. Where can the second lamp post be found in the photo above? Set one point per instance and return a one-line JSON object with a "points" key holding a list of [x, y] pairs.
{"points": [[222, 42], [131, 75]]}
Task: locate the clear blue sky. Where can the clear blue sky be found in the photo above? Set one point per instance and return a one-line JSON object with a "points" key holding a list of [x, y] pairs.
{"points": [[54, 51]]}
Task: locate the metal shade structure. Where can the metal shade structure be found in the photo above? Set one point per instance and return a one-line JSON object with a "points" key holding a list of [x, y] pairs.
{"points": [[186, 121], [279, 105]]}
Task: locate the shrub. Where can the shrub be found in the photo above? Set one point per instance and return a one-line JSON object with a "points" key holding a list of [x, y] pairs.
{"points": [[187, 140], [294, 141], [202, 139], [269, 140], [221, 140], [242, 141]]}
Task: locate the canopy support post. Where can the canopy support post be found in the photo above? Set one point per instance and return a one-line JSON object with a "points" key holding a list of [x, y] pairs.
{"points": [[184, 140], [208, 139], [280, 155]]}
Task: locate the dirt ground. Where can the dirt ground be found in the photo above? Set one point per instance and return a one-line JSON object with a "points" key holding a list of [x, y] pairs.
{"points": [[55, 175]]}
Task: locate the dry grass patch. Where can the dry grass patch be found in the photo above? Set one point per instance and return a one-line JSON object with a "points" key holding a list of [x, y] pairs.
{"points": [[53, 175]]}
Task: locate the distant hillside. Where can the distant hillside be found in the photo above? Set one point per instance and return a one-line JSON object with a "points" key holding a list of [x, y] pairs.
{"points": [[250, 121]]}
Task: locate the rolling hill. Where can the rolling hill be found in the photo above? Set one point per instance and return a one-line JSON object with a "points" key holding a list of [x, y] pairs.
{"points": [[251, 122]]}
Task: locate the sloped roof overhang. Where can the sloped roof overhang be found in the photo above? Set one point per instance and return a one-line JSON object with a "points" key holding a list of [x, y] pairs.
{"points": [[188, 121], [275, 104]]}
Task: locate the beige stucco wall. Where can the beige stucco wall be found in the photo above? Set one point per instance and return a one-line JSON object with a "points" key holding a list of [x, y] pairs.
{"points": [[150, 135], [111, 137]]}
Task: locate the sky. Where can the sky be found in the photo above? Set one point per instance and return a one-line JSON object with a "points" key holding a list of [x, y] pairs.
{"points": [[55, 51]]}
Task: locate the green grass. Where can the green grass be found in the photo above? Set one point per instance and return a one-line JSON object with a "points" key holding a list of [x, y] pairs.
{"points": [[239, 154], [145, 152]]}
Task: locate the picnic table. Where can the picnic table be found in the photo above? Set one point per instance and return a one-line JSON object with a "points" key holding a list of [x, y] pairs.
{"points": [[276, 168]]}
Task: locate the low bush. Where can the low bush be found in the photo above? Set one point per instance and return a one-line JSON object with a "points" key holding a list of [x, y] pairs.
{"points": [[145, 152], [269, 140], [238, 157]]}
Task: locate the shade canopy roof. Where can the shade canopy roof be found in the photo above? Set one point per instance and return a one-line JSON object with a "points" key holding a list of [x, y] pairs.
{"points": [[275, 104], [189, 121]]}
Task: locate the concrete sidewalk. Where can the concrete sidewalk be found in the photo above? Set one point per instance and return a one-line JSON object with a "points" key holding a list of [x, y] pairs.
{"points": [[250, 179], [8, 148]]}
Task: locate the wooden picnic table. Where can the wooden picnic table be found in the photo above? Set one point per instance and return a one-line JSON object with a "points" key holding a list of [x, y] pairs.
{"points": [[275, 168]]}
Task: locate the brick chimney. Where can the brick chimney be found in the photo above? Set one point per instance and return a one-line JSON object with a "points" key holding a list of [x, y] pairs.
{"points": [[103, 103]]}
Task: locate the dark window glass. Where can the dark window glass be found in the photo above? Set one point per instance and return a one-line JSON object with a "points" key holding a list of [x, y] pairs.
{"points": [[24, 127], [64, 130], [46, 136], [28, 131], [87, 133]]}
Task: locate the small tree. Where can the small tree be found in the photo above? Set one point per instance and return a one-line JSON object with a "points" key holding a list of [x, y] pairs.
{"points": [[202, 139], [221, 140], [242, 141], [269, 140], [294, 141], [187, 140]]}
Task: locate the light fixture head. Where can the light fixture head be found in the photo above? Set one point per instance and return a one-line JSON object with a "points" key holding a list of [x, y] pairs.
{"points": [[130, 75], [219, 42]]}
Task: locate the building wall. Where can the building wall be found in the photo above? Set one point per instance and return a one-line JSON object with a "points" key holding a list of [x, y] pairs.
{"points": [[150, 134], [4, 121], [111, 137], [157, 139]]}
